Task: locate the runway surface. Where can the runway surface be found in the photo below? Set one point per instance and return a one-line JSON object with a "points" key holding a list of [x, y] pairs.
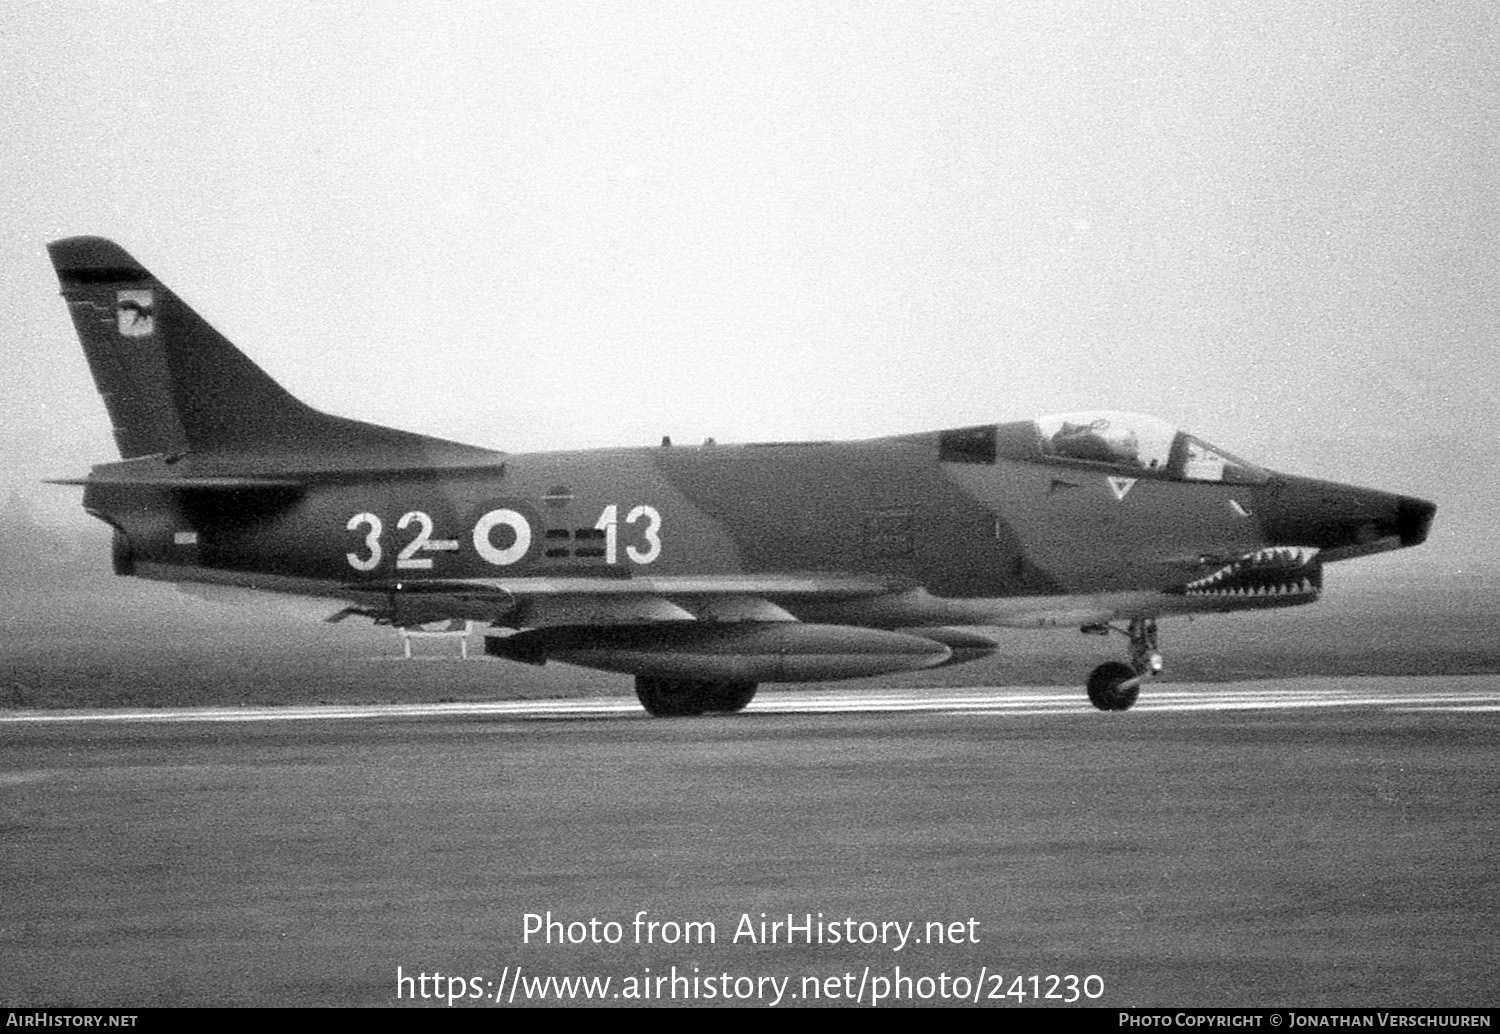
{"points": [[1312, 842], [1462, 693]]}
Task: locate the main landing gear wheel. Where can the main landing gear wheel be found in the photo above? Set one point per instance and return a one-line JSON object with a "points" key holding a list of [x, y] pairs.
{"points": [[679, 698], [728, 697], [668, 698]]}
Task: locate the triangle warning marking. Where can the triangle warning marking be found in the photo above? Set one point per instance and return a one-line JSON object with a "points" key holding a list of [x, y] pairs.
{"points": [[1121, 487]]}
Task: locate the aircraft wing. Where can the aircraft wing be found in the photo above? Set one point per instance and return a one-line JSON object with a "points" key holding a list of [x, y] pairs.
{"points": [[551, 601], [825, 597], [536, 602], [810, 584]]}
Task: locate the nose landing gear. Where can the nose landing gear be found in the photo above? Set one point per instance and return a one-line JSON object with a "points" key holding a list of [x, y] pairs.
{"points": [[1114, 686]]}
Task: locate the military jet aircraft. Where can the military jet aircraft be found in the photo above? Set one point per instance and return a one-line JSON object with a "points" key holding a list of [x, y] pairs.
{"points": [[702, 571]]}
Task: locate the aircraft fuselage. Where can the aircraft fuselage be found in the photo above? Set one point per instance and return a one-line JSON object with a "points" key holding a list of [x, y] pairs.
{"points": [[890, 508], [701, 570]]}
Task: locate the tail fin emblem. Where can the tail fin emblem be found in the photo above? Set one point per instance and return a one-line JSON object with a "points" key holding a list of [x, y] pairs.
{"points": [[136, 313]]}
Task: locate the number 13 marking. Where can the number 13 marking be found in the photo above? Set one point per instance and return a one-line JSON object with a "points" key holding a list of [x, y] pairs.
{"points": [[609, 523]]}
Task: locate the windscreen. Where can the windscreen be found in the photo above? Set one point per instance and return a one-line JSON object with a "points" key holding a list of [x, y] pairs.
{"points": [[1204, 462]]}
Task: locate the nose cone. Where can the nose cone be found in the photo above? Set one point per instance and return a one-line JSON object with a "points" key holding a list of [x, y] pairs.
{"points": [[1342, 521], [1414, 519]]}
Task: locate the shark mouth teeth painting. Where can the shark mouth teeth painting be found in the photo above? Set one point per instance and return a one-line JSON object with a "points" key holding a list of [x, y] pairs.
{"points": [[1280, 572]]}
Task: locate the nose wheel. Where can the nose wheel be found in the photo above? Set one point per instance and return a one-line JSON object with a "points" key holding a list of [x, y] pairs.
{"points": [[1114, 686]]}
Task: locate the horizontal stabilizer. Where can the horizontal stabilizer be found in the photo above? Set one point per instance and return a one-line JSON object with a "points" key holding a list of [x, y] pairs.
{"points": [[205, 484], [241, 473]]}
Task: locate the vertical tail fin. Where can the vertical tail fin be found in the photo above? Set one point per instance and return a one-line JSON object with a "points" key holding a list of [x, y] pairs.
{"points": [[115, 305], [174, 385]]}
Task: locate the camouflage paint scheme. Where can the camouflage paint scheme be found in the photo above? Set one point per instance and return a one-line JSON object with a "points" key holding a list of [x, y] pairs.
{"points": [[704, 569]]}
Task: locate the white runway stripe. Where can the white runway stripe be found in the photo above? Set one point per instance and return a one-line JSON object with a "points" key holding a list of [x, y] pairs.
{"points": [[1473, 694]]}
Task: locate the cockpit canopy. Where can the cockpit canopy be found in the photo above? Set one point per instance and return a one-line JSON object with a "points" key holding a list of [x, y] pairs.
{"points": [[1129, 442], [1138, 442], [1121, 439]]}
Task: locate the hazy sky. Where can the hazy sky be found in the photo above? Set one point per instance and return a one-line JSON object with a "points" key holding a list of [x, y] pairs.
{"points": [[556, 225]]}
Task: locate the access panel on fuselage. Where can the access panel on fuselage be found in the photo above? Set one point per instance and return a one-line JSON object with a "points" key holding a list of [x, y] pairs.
{"points": [[868, 507]]}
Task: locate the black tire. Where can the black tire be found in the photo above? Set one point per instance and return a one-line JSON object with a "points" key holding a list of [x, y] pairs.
{"points": [[671, 698], [729, 697], [1106, 687]]}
